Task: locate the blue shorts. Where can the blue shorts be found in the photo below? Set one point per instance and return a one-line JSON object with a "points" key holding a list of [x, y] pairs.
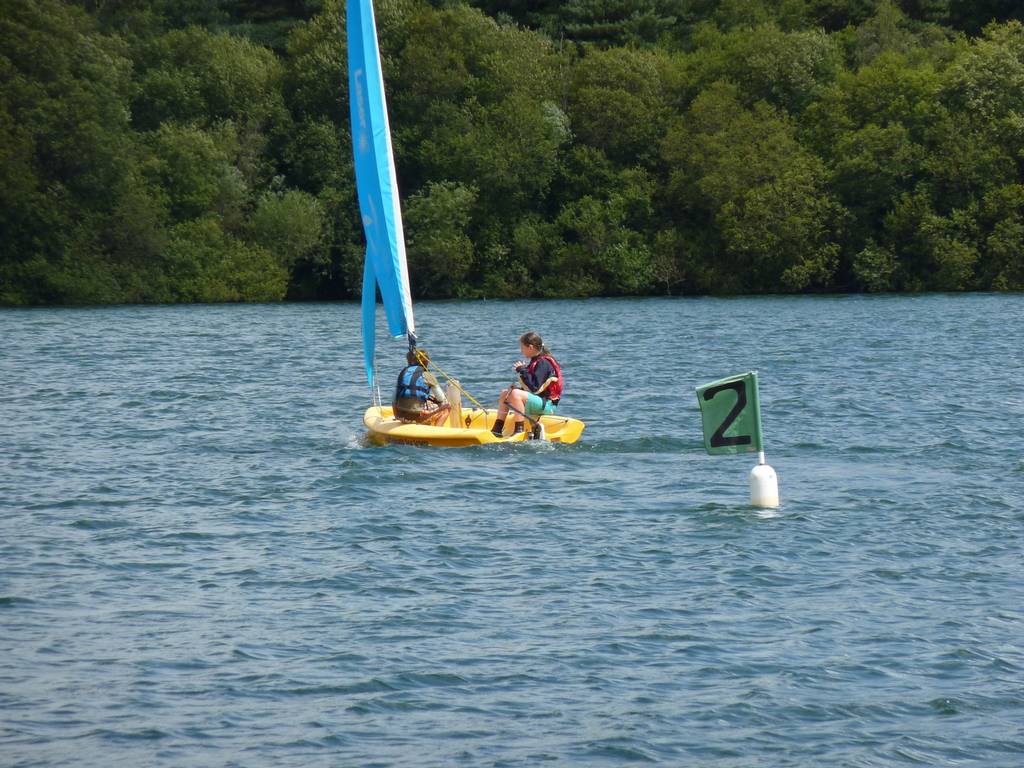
{"points": [[536, 405]]}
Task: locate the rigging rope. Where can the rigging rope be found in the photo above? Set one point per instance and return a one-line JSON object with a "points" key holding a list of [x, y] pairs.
{"points": [[427, 362]]}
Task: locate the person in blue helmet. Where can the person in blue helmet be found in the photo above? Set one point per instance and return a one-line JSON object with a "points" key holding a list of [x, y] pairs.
{"points": [[419, 398]]}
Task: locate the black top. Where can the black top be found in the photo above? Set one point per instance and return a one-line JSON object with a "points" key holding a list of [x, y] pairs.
{"points": [[544, 371]]}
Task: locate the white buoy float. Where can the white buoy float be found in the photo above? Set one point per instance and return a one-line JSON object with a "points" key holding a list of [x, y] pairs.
{"points": [[764, 485]]}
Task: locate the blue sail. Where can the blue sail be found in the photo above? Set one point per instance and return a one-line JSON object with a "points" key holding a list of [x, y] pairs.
{"points": [[376, 184]]}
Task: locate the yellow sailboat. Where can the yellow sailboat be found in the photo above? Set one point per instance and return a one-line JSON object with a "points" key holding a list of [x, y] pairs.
{"points": [[472, 428], [385, 266]]}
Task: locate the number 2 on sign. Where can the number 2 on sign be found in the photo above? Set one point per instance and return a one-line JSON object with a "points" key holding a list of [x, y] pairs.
{"points": [[718, 439]]}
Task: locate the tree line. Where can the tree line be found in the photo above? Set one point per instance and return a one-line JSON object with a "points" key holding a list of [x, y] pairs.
{"points": [[199, 151]]}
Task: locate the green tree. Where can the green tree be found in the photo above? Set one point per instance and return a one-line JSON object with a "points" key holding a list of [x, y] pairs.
{"points": [[619, 22], [64, 132], [605, 250], [205, 79], [891, 90], [874, 268], [194, 168], [440, 252], [787, 69], [743, 171], [203, 263], [198, 76], [887, 31], [315, 67], [475, 102], [617, 103], [290, 225], [318, 155], [933, 252], [1002, 221]]}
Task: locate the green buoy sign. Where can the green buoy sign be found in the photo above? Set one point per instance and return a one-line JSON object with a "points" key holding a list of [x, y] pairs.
{"points": [[731, 414]]}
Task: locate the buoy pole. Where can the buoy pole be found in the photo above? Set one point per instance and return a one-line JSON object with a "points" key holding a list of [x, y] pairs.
{"points": [[764, 485]]}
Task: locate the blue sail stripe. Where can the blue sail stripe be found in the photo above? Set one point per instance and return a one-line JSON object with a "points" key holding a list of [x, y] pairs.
{"points": [[376, 181]]}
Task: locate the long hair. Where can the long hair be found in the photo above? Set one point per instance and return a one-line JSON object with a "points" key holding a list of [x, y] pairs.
{"points": [[533, 339]]}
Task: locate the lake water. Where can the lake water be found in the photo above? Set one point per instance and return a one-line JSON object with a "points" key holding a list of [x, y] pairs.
{"points": [[202, 562]]}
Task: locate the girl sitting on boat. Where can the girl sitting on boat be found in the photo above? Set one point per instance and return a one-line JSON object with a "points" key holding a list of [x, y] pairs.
{"points": [[419, 398], [539, 388]]}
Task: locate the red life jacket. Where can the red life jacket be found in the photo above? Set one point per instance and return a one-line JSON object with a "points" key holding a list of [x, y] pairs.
{"points": [[554, 390]]}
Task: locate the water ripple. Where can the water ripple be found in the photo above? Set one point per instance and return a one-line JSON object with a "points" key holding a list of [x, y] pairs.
{"points": [[205, 563]]}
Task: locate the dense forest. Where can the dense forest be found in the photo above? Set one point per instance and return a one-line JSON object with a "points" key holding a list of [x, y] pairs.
{"points": [[199, 150]]}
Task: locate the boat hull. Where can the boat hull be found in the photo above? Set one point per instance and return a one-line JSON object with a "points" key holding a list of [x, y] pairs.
{"points": [[474, 429]]}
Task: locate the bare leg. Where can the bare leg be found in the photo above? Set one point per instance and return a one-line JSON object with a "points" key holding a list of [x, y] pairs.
{"points": [[510, 399], [503, 404], [517, 398]]}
